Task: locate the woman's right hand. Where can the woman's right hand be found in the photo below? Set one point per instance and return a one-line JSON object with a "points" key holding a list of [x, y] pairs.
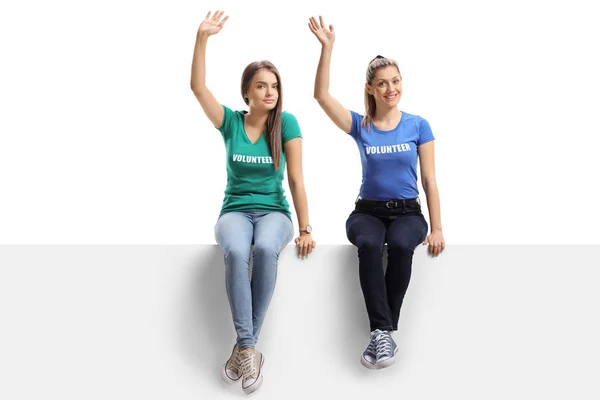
{"points": [[212, 25], [325, 36]]}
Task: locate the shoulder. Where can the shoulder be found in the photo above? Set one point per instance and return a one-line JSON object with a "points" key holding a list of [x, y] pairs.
{"points": [[288, 117], [414, 120], [290, 128], [233, 114], [356, 115], [412, 117]]}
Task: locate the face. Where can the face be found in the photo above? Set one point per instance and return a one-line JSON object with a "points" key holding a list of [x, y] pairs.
{"points": [[386, 87], [263, 92]]}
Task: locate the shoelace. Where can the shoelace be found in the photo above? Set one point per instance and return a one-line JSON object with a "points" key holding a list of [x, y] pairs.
{"points": [[372, 347], [383, 343], [248, 365], [234, 362]]}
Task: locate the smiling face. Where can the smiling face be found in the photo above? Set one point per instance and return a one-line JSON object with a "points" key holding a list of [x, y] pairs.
{"points": [[263, 91], [386, 86]]}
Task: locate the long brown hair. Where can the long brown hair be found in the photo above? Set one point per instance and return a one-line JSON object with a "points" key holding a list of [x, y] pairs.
{"points": [[273, 130], [375, 64]]}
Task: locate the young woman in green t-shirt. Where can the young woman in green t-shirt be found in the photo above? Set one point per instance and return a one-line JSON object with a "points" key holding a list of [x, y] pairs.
{"points": [[259, 143]]}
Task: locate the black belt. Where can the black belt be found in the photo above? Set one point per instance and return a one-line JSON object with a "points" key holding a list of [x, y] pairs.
{"points": [[389, 203]]}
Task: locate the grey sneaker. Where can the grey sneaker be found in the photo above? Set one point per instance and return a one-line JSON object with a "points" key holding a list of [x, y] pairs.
{"points": [[251, 363], [386, 349], [231, 371], [369, 357]]}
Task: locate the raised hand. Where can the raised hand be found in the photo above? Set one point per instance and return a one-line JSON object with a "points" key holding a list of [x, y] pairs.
{"points": [[212, 25], [325, 36]]}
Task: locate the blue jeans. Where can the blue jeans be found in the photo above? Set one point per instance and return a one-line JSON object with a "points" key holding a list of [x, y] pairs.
{"points": [[250, 294]]}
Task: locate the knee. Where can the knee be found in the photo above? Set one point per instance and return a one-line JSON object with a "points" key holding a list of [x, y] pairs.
{"points": [[237, 253], [401, 246], [367, 244], [266, 249]]}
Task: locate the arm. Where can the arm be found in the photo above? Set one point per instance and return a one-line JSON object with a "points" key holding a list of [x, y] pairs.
{"points": [[212, 108], [336, 112], [426, 158], [293, 151]]}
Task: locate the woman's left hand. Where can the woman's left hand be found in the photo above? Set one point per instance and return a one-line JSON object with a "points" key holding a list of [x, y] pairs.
{"points": [[305, 244], [436, 243]]}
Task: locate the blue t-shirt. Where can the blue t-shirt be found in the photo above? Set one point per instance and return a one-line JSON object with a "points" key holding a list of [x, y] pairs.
{"points": [[389, 158]]}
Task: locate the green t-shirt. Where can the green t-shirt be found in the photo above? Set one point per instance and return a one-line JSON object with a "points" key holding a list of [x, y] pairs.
{"points": [[253, 184]]}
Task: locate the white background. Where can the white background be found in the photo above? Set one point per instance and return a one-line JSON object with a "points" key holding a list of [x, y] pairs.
{"points": [[102, 140]]}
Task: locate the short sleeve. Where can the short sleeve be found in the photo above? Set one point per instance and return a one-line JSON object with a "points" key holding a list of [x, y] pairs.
{"points": [[226, 125], [289, 127], [425, 134], [356, 121]]}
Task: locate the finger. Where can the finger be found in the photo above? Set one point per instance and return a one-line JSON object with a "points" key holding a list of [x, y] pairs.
{"points": [[207, 16], [443, 246], [214, 18], [223, 22], [331, 28], [314, 24], [304, 249], [321, 21]]}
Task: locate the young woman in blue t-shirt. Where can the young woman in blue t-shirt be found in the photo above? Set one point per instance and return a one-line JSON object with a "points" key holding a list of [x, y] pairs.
{"points": [[388, 209]]}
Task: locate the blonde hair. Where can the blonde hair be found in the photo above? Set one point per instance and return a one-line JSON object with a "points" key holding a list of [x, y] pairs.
{"points": [[375, 64]]}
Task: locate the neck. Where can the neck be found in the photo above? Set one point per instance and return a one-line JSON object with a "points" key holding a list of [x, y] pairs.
{"points": [[255, 118], [387, 114]]}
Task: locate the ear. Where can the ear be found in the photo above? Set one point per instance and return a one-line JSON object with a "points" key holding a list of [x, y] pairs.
{"points": [[369, 89]]}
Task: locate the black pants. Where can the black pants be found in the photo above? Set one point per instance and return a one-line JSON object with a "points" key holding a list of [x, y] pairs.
{"points": [[402, 226]]}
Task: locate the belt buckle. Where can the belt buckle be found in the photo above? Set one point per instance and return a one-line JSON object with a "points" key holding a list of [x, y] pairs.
{"points": [[391, 204]]}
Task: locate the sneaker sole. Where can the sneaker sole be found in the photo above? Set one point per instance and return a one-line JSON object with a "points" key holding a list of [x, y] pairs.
{"points": [[367, 364], [226, 377], [254, 387], [390, 361]]}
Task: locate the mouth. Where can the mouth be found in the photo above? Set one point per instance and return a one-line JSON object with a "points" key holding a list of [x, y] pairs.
{"points": [[391, 96], [269, 101]]}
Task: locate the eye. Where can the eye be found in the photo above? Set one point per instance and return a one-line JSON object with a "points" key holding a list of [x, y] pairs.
{"points": [[260, 86], [381, 84], [396, 80]]}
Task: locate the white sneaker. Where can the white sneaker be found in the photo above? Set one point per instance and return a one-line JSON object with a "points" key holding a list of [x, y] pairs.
{"points": [[231, 371], [251, 363]]}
